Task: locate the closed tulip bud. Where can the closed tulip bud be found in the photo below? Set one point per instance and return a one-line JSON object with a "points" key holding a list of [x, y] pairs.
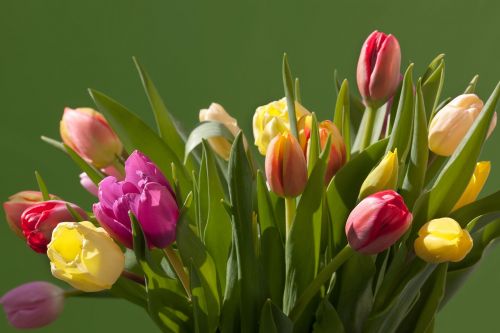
{"points": [[88, 184], [39, 220], [383, 177], [33, 305], [286, 168], [272, 119], [378, 69], [17, 204], [85, 256], [450, 125], [476, 183], [377, 222], [88, 133], [216, 113], [442, 240]]}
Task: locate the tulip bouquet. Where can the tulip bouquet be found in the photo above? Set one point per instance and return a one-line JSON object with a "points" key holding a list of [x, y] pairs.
{"points": [[367, 222]]}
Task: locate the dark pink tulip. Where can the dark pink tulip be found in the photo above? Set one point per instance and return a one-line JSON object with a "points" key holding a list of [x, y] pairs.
{"points": [[378, 69], [377, 222], [33, 305], [147, 194]]}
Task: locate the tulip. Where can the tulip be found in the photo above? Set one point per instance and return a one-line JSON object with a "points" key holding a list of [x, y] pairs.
{"points": [[85, 256], [17, 204], [442, 240], [383, 177], [286, 168], [377, 222], [216, 113], [378, 69], [33, 305], [450, 125], [475, 185], [147, 193], [88, 133], [272, 119], [39, 220], [88, 184]]}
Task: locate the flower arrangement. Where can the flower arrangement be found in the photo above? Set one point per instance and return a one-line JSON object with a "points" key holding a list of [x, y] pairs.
{"points": [[368, 222]]}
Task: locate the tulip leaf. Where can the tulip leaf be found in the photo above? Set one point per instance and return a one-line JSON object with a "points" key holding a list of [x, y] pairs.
{"points": [[488, 204], [289, 95], [471, 87], [342, 116], [230, 315], [432, 85], [272, 320], [356, 106], [42, 186], [131, 291], [241, 195], [417, 163], [298, 97], [400, 138], [327, 319], [205, 131], [378, 124], [314, 147]]}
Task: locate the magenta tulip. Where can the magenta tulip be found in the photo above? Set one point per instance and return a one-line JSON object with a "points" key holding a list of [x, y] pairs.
{"points": [[377, 222], [33, 305], [147, 194], [378, 69]]}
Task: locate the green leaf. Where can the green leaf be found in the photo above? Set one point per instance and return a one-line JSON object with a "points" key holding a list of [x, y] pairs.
{"points": [[42, 186], [356, 106], [432, 85], [230, 315], [378, 124], [488, 204], [327, 319], [417, 163], [205, 131], [272, 320], [314, 148], [131, 291], [471, 87], [290, 99], [342, 116], [400, 137]]}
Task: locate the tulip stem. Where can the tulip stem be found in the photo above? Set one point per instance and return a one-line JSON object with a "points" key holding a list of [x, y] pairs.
{"points": [[322, 277], [178, 268], [134, 277], [290, 209], [368, 130], [72, 292]]}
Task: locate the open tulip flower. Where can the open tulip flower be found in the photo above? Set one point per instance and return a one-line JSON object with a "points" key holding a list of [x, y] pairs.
{"points": [[339, 228]]}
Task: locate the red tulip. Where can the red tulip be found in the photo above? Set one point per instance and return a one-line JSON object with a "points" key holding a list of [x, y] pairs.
{"points": [[377, 222]]}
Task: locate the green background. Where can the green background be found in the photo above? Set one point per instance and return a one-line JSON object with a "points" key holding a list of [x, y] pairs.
{"points": [[203, 51]]}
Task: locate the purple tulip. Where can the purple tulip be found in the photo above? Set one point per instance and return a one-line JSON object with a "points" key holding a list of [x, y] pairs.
{"points": [[147, 194], [33, 305]]}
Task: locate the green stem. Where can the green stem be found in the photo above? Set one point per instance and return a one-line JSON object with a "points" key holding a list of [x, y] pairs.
{"points": [[290, 209], [367, 135], [178, 268], [319, 281], [72, 293], [118, 164]]}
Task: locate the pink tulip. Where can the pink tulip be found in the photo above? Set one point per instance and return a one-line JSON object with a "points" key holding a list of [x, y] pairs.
{"points": [[33, 305], [377, 222], [88, 184], [378, 69]]}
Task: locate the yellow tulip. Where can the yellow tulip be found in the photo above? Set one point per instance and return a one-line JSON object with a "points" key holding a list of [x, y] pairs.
{"points": [[272, 119], [475, 185], [383, 177], [216, 112], [442, 240], [85, 256]]}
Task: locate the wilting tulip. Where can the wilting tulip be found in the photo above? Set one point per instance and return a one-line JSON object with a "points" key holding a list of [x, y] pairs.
{"points": [[286, 168], [450, 125], [383, 177], [39, 220], [476, 184], [17, 204], [442, 240], [88, 133], [378, 69], [85, 256], [33, 305], [147, 193], [88, 184], [272, 119], [377, 222], [216, 113]]}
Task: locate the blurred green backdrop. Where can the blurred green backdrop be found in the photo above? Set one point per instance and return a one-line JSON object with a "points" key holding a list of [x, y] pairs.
{"points": [[203, 51]]}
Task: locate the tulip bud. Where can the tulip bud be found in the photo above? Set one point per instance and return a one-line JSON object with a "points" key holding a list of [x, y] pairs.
{"points": [[286, 168], [39, 220], [33, 305], [272, 119], [17, 204], [442, 240], [88, 184], [377, 222], [85, 256], [378, 69], [216, 112], [450, 125], [88, 133], [383, 177], [476, 183]]}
